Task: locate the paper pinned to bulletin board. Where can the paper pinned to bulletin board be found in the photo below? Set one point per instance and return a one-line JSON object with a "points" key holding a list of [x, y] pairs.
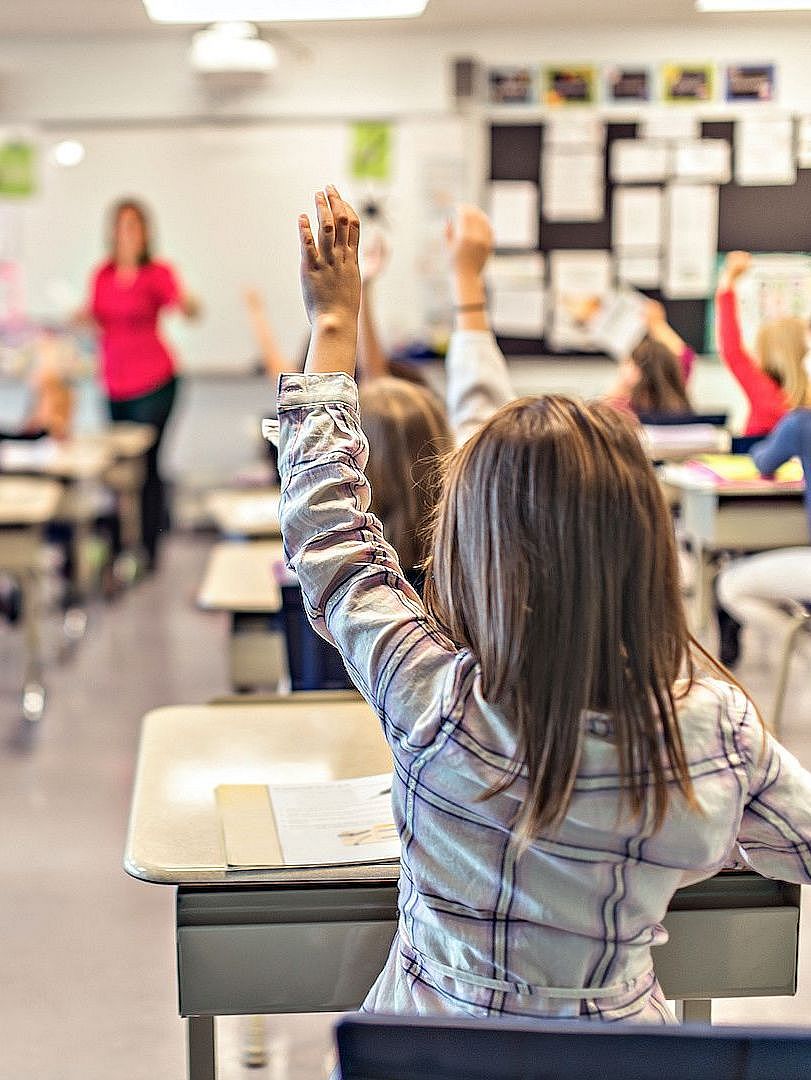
{"points": [[371, 151], [18, 166]]}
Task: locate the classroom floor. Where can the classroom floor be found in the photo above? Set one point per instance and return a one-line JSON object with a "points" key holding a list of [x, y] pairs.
{"points": [[88, 977]]}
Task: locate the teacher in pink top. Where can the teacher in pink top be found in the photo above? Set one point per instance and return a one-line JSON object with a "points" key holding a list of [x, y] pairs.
{"points": [[127, 295]]}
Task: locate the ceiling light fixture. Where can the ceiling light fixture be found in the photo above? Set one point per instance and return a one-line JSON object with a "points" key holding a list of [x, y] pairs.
{"points": [[738, 6], [231, 48], [210, 11]]}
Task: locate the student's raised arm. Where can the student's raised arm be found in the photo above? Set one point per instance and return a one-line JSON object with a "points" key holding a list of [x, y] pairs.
{"points": [[774, 837], [373, 363], [354, 591], [660, 329], [478, 382], [274, 360]]}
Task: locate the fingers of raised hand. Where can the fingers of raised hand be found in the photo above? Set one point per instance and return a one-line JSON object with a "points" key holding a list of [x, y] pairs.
{"points": [[326, 227], [347, 223], [309, 252]]}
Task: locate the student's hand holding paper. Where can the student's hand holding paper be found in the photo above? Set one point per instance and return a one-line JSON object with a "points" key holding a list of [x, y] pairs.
{"points": [[330, 283], [469, 238]]}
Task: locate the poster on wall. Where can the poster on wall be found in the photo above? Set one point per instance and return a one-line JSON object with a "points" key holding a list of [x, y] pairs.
{"points": [[627, 84], [512, 85], [371, 151], [692, 241], [764, 151], [688, 83], [570, 85], [18, 167], [750, 82]]}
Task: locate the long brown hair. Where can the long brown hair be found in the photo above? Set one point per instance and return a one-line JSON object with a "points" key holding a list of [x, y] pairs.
{"points": [[408, 435], [554, 562], [660, 388], [138, 208], [782, 345]]}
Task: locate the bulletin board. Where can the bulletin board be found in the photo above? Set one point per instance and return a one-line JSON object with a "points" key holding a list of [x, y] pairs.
{"points": [[762, 219]]}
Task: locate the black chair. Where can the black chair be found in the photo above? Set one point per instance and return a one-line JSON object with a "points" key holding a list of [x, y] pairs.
{"points": [[406, 1048], [678, 419]]}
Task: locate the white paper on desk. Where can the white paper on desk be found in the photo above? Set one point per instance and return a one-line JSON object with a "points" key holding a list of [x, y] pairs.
{"points": [[573, 185], [619, 325], [18, 455], [575, 275], [692, 241], [336, 822], [643, 270], [636, 161], [574, 129], [514, 213], [674, 124], [516, 290], [637, 218], [706, 161], [804, 143], [764, 151]]}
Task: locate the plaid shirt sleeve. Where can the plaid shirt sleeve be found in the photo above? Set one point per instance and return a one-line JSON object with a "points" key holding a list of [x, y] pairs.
{"points": [[775, 832], [354, 590]]}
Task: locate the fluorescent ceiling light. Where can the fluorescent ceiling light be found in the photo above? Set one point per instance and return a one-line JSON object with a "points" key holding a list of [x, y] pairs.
{"points": [[232, 48], [67, 153], [752, 5], [209, 11]]}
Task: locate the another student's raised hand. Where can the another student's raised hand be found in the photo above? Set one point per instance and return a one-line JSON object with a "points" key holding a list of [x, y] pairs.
{"points": [[374, 258], [735, 264], [330, 283], [470, 240]]}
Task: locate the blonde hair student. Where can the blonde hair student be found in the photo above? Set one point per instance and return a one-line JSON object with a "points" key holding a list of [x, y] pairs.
{"points": [[775, 378], [555, 778]]}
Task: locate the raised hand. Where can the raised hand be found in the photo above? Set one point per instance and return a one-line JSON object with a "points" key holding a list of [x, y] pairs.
{"points": [[374, 257], [330, 283], [469, 238], [735, 264]]}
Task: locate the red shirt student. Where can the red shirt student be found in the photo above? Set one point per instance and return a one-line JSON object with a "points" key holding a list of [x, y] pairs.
{"points": [[127, 295], [774, 379]]}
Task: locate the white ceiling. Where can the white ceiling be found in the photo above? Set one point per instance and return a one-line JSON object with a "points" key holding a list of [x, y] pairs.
{"points": [[71, 18]]}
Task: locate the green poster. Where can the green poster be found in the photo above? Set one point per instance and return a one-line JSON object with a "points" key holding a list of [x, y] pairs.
{"points": [[371, 151], [17, 169]]}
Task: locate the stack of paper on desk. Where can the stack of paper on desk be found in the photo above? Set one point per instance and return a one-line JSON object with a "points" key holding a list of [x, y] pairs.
{"points": [[741, 469], [330, 823]]}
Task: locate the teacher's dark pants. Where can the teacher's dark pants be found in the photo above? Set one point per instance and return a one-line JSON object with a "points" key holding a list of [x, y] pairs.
{"points": [[155, 409]]}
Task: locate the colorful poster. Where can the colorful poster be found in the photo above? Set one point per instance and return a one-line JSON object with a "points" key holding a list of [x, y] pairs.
{"points": [[688, 83], [513, 85], [570, 85], [18, 169], [370, 154], [775, 286], [628, 84], [750, 82]]}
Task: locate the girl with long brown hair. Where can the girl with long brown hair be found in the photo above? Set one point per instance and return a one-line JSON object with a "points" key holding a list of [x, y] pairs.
{"points": [[562, 763]]}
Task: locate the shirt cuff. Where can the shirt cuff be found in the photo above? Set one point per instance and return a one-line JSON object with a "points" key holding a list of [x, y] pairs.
{"points": [[334, 387]]}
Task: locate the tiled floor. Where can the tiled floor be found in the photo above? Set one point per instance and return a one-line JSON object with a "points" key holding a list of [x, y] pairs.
{"points": [[87, 987]]}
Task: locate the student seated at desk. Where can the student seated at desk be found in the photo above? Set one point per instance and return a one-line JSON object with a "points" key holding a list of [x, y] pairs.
{"points": [[565, 755], [53, 399], [774, 379], [752, 589], [650, 382]]}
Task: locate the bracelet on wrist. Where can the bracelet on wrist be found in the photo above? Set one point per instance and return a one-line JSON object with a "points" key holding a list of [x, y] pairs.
{"points": [[471, 307]]}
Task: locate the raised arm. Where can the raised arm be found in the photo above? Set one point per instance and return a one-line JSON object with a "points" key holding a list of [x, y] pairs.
{"points": [[478, 382], [353, 588], [273, 358], [786, 441], [660, 329], [373, 363], [759, 387]]}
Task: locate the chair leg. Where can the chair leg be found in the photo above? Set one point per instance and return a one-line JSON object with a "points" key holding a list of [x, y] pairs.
{"points": [[799, 623]]}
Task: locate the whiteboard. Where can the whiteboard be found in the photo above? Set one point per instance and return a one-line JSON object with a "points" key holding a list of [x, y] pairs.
{"points": [[225, 200]]}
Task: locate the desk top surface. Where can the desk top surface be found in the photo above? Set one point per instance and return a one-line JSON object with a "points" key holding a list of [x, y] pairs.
{"points": [[79, 458], [28, 500], [240, 577], [687, 478], [174, 833], [245, 512], [125, 439]]}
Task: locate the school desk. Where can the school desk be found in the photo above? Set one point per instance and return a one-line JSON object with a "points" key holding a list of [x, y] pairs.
{"points": [[240, 579], [721, 516], [128, 443], [314, 939], [27, 504], [251, 513]]}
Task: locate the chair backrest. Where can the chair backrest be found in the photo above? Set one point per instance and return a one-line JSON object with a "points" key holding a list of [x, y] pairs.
{"points": [[678, 419], [411, 1048]]}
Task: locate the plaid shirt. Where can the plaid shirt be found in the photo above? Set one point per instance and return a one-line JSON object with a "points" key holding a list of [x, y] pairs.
{"points": [[564, 927]]}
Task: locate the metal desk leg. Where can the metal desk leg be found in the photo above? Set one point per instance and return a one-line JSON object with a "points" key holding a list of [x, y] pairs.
{"points": [[697, 1011], [33, 703], [254, 1042], [201, 1048]]}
